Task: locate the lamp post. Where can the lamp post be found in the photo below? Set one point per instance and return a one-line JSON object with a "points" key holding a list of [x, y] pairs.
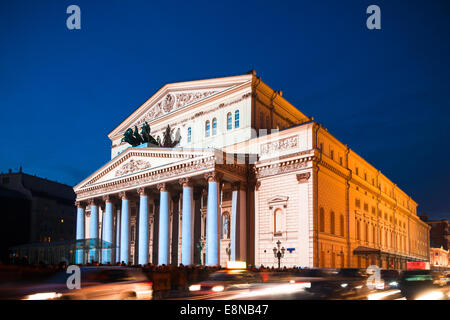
{"points": [[278, 253]]}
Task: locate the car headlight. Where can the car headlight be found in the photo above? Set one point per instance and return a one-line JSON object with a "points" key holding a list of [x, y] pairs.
{"points": [[344, 285], [194, 287], [393, 283], [218, 288], [43, 296], [432, 295]]}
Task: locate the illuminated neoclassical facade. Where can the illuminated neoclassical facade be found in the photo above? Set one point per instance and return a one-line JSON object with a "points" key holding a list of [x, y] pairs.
{"points": [[250, 170]]}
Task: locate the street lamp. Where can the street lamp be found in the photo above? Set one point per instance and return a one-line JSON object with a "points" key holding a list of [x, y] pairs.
{"points": [[278, 253]]}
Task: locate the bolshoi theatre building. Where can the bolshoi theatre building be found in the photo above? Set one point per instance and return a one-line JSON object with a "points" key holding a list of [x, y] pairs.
{"points": [[250, 175]]}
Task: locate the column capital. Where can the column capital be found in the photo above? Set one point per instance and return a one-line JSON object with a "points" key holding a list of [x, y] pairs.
{"points": [[80, 204], [93, 202], [107, 198], [236, 186], [213, 176], [142, 191], [123, 195], [162, 187], [185, 182]]}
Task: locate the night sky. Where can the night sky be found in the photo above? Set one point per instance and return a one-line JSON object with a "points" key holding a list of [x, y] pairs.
{"points": [[385, 93]]}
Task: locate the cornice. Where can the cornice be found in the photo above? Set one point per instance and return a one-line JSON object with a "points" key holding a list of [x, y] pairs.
{"points": [[283, 167], [148, 178]]}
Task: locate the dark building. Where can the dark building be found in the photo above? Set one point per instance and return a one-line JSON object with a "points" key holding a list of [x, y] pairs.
{"points": [[34, 210], [439, 233]]}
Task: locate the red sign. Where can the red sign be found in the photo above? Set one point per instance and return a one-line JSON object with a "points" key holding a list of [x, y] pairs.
{"points": [[418, 265]]}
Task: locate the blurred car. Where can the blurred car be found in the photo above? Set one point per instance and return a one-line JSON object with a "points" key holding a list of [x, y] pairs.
{"points": [[338, 283], [389, 279], [423, 284], [225, 280], [97, 283]]}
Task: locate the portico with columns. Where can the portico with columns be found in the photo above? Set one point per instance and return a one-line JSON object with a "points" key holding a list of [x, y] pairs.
{"points": [[157, 215]]}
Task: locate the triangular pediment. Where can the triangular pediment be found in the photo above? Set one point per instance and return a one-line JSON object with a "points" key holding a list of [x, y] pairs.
{"points": [[139, 160], [176, 96], [278, 199]]}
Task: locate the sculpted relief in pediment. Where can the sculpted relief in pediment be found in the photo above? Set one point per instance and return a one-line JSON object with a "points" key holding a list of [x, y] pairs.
{"points": [[132, 166], [171, 102]]}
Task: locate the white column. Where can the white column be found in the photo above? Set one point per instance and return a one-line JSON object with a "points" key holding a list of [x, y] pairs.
{"points": [[107, 229], [143, 227], [212, 220], [80, 231], [187, 228], [118, 235], [164, 226], [124, 228], [93, 230]]}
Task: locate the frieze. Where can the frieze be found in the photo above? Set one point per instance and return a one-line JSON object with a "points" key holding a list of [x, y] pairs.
{"points": [[201, 113], [132, 166], [281, 168], [279, 145], [171, 102], [145, 178]]}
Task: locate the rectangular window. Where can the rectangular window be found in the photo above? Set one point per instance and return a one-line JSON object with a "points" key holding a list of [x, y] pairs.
{"points": [[236, 119], [357, 203], [332, 155], [189, 135]]}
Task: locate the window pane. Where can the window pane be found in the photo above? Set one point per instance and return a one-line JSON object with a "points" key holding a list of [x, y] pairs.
{"points": [[229, 122], [207, 128], [236, 119], [214, 127]]}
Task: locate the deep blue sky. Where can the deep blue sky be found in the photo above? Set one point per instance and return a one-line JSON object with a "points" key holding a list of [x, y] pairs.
{"points": [[385, 93]]}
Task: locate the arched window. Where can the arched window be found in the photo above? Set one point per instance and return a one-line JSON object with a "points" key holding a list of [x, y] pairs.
{"points": [[207, 129], [373, 234], [321, 220], [236, 119], [214, 125], [277, 226], [226, 226], [229, 121], [189, 134], [342, 225], [367, 233], [332, 228]]}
